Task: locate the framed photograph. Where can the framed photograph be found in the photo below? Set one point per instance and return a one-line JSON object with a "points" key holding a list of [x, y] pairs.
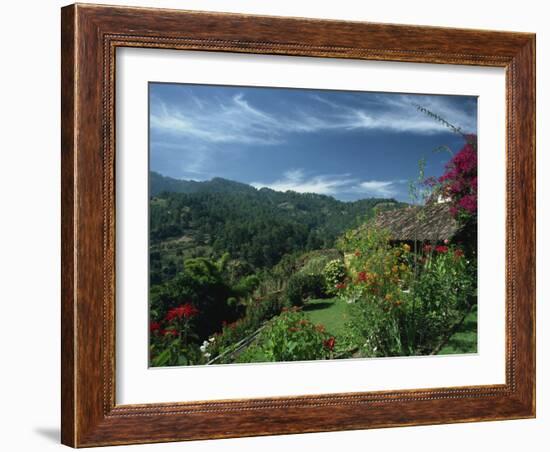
{"points": [[281, 225]]}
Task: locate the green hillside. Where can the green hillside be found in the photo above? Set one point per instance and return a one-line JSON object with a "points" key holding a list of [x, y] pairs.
{"points": [[258, 227]]}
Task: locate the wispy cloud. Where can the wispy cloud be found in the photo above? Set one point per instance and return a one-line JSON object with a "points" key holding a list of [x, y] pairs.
{"points": [[234, 119], [382, 188], [399, 113], [296, 180], [327, 184], [214, 121]]}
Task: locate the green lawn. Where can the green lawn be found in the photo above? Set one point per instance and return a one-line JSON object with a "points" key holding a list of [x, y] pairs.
{"points": [[330, 312], [465, 339], [333, 314]]}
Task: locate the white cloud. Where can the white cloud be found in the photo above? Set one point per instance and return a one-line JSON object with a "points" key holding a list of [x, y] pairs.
{"points": [[379, 187], [236, 120], [331, 184], [296, 180]]}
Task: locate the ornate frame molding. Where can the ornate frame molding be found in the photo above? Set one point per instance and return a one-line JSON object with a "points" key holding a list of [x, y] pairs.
{"points": [[90, 37]]}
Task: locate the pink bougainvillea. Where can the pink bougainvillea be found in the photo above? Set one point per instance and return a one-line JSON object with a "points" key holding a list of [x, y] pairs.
{"points": [[459, 182]]}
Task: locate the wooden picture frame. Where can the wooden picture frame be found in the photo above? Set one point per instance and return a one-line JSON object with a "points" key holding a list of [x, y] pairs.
{"points": [[90, 36]]}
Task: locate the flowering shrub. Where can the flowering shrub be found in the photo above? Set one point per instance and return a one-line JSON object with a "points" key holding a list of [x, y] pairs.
{"points": [[459, 182], [403, 303], [379, 276], [443, 292], [334, 274], [291, 337], [171, 338]]}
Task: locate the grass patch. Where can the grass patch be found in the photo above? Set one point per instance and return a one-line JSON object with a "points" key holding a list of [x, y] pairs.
{"points": [[465, 339], [330, 312]]}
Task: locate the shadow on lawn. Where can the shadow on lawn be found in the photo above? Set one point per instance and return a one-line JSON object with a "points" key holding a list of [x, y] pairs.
{"points": [[318, 306]]}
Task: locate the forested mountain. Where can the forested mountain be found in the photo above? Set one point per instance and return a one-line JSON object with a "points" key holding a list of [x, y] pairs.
{"points": [[159, 184], [256, 226]]}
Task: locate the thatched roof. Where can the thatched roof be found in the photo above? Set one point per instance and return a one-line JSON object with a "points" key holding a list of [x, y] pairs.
{"points": [[431, 223]]}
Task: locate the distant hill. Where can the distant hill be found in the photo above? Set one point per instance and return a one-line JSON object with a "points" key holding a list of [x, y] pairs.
{"points": [[159, 183]]}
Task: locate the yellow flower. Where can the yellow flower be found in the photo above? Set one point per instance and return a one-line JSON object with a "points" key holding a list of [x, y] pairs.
{"points": [[406, 247], [394, 269], [388, 297]]}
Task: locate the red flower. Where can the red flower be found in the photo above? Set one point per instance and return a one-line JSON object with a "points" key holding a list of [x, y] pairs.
{"points": [[442, 249], [362, 276], [357, 253], [329, 343], [186, 310], [459, 253], [341, 285], [427, 248], [154, 327]]}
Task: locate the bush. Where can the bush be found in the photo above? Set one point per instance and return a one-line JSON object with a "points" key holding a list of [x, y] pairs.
{"points": [[377, 285], [171, 338], [439, 298], [403, 303], [302, 286], [314, 262], [459, 182], [291, 337], [334, 274], [257, 311], [202, 284]]}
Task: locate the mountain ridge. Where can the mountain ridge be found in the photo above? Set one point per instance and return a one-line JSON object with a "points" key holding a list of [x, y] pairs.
{"points": [[159, 183]]}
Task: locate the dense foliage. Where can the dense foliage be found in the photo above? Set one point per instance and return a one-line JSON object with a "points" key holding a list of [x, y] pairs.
{"points": [[404, 303], [291, 337], [303, 286], [257, 227]]}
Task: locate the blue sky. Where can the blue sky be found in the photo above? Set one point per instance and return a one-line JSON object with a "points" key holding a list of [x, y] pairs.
{"points": [[346, 144]]}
